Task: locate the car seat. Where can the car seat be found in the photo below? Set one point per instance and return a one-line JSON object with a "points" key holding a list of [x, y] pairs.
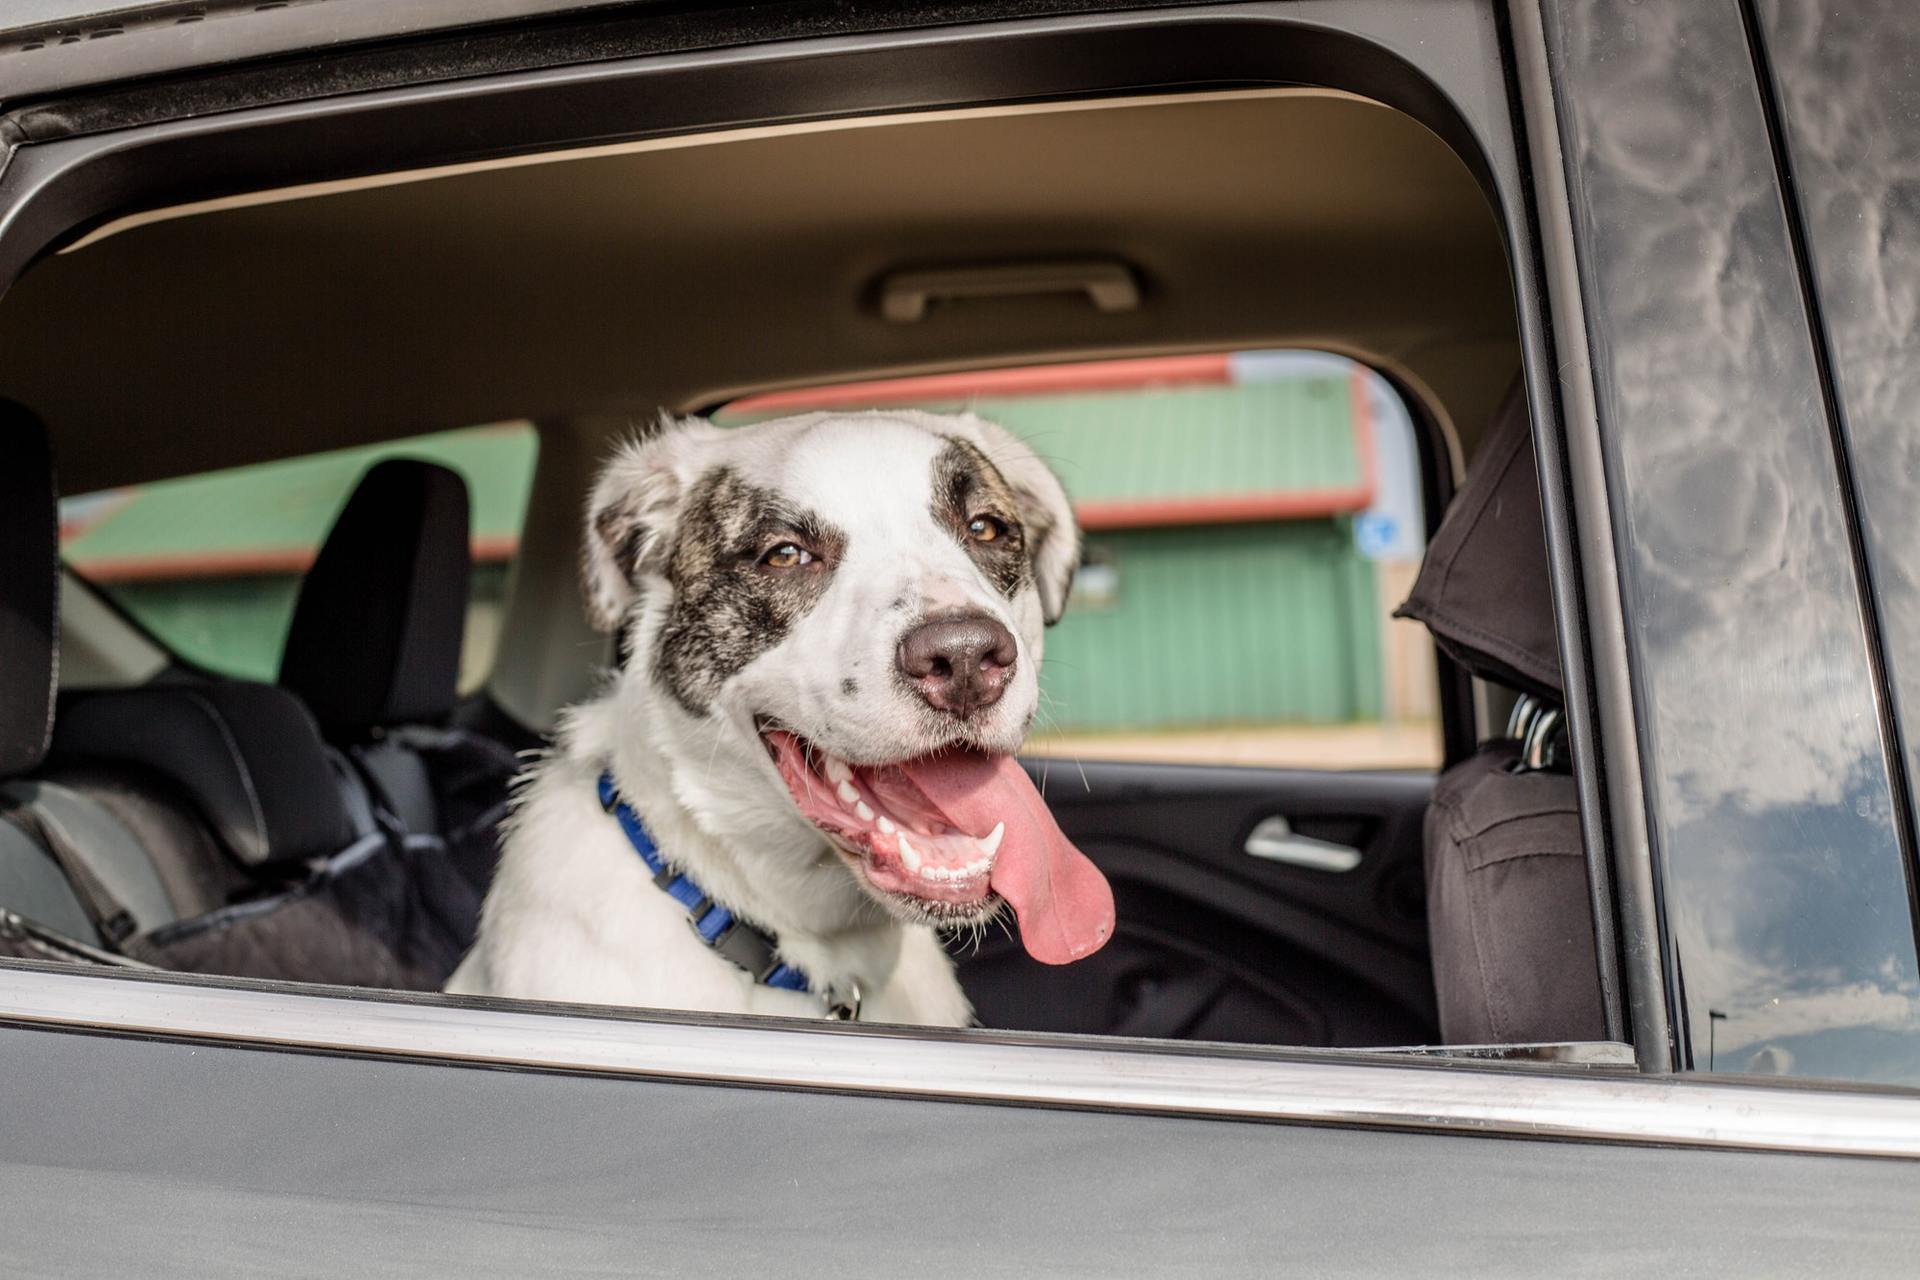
{"points": [[194, 825], [374, 650], [1509, 911]]}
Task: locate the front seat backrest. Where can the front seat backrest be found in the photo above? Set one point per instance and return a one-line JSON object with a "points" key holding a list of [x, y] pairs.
{"points": [[37, 879], [31, 882], [29, 591], [375, 637], [246, 757], [1509, 911]]}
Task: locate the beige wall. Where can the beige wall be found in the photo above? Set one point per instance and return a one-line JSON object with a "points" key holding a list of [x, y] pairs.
{"points": [[1411, 685]]}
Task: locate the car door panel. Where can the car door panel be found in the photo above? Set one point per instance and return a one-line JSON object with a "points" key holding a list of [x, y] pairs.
{"points": [[200, 1159], [1218, 943]]}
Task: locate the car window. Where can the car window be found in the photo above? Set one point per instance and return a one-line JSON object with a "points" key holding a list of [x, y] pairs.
{"points": [[1250, 523], [1848, 102], [1771, 801], [211, 564]]}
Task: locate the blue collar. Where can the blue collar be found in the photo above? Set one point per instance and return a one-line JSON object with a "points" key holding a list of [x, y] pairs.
{"points": [[745, 945]]}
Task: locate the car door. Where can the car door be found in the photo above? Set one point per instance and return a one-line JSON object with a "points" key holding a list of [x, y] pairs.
{"points": [[185, 1126], [1261, 905], [209, 1128]]}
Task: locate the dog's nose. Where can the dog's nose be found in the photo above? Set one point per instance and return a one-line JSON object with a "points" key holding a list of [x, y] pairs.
{"points": [[959, 664]]}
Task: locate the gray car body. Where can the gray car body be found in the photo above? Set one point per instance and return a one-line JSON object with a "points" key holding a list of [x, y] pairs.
{"points": [[187, 1128]]}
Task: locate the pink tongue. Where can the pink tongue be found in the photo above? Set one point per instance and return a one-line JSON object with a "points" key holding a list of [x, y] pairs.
{"points": [[1064, 903]]}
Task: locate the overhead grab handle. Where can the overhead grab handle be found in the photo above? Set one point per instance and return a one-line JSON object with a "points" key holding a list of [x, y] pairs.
{"points": [[906, 295]]}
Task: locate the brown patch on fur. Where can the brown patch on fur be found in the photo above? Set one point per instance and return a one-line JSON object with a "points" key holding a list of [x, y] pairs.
{"points": [[966, 485], [726, 609]]}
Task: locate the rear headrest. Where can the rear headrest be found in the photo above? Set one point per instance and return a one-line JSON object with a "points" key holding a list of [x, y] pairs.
{"points": [[375, 639], [29, 591], [248, 756], [1483, 588]]}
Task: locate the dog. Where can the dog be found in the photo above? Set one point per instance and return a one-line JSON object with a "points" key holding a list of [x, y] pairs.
{"points": [[832, 633]]}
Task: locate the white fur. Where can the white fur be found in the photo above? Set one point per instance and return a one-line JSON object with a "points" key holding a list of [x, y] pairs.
{"points": [[573, 914]]}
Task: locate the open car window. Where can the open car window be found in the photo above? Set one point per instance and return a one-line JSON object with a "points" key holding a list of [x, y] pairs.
{"points": [[210, 565], [1250, 522], [1252, 519]]}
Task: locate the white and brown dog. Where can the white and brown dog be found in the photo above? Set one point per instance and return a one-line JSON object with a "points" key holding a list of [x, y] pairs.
{"points": [[833, 631]]}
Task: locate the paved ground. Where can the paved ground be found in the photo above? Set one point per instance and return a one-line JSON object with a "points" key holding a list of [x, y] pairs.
{"points": [[1414, 745]]}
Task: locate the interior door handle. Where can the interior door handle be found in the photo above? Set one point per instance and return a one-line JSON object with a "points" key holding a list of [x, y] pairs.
{"points": [[1276, 841]]}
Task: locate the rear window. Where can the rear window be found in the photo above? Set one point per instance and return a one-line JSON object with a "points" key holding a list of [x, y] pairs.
{"points": [[211, 564], [1250, 521]]}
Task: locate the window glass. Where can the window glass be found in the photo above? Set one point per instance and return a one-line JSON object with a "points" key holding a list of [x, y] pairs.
{"points": [[211, 564], [1785, 889], [1256, 514], [1848, 102]]}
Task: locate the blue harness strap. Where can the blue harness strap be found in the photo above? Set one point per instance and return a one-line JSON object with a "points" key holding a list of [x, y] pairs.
{"points": [[744, 944]]}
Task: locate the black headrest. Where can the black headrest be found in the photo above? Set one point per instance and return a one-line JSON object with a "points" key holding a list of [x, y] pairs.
{"points": [[1483, 588], [248, 756], [29, 590], [375, 639]]}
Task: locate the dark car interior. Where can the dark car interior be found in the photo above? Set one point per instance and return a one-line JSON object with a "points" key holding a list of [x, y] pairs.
{"points": [[338, 826]]}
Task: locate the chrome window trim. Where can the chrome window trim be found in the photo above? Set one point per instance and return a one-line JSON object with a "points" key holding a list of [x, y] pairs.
{"points": [[1619, 849], [1128, 1076]]}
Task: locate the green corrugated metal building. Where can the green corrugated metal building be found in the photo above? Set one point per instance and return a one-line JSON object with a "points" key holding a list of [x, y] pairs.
{"points": [[211, 564], [1221, 584]]}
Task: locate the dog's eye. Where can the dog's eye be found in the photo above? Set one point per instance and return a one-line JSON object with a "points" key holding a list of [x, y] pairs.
{"points": [[986, 529], [788, 555]]}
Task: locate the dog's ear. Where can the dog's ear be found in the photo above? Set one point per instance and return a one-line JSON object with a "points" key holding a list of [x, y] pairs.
{"points": [[630, 516], [1053, 536]]}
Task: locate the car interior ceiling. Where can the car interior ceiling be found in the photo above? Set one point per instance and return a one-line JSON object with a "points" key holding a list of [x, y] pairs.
{"points": [[582, 292]]}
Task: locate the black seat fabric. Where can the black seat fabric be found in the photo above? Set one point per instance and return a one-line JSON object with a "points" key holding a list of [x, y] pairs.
{"points": [[317, 892], [32, 883], [1483, 589], [203, 826], [1509, 911], [29, 591], [375, 651], [375, 638], [1507, 905], [246, 756]]}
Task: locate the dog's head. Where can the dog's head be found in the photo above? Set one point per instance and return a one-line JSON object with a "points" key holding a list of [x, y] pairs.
{"points": [[864, 596]]}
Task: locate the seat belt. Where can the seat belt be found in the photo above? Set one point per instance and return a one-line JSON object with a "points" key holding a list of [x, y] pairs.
{"points": [[106, 912], [55, 945]]}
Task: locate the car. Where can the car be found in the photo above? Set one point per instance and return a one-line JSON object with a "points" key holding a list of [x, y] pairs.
{"points": [[1619, 963]]}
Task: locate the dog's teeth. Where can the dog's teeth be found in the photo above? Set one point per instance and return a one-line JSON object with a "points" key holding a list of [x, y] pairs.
{"points": [[886, 825], [909, 856], [837, 770], [866, 814], [990, 843], [848, 793]]}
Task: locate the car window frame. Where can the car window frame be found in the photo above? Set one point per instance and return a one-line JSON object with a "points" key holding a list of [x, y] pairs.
{"points": [[56, 189]]}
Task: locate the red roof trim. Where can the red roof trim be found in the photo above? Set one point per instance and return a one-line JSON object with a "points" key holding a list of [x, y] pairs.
{"points": [[1100, 375], [1248, 508], [264, 562]]}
